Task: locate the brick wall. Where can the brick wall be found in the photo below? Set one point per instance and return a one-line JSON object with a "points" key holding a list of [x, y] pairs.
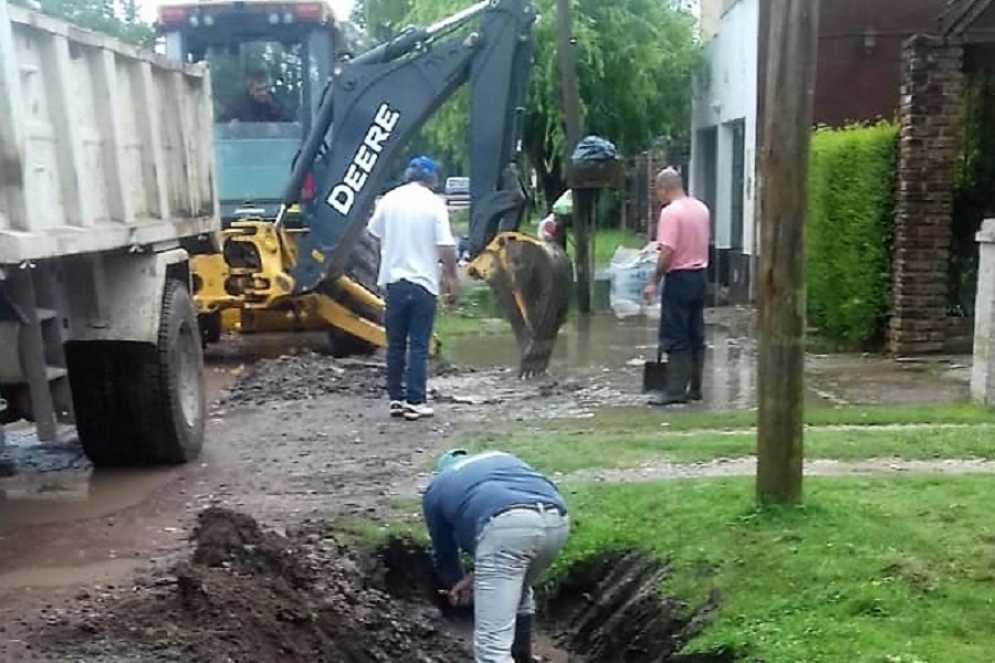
{"points": [[930, 143]]}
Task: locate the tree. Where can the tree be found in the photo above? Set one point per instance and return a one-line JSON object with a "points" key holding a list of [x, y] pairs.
{"points": [[634, 64], [380, 19], [117, 18]]}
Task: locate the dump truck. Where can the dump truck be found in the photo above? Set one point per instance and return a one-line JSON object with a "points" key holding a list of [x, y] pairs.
{"points": [[107, 187], [296, 250]]}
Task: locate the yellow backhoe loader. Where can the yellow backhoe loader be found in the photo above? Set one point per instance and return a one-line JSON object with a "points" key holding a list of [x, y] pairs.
{"points": [[300, 257]]}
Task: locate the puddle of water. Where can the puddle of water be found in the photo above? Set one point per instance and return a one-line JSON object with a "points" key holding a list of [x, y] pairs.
{"points": [[582, 343], [70, 495], [103, 572], [616, 351], [606, 356]]}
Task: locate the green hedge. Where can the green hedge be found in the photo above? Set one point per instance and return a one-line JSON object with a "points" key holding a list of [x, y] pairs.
{"points": [[849, 229]]}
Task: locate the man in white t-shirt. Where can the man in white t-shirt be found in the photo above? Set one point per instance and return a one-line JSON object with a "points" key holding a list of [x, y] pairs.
{"points": [[412, 224]]}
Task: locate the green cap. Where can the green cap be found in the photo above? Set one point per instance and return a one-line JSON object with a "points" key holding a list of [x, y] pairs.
{"points": [[448, 458]]}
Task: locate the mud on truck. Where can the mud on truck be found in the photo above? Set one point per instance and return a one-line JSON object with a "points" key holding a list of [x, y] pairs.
{"points": [[106, 190]]}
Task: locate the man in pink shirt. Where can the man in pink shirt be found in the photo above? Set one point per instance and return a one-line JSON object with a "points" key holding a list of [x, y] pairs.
{"points": [[682, 233]]}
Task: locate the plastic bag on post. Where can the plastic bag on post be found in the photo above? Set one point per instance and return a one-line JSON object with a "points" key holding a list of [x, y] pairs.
{"points": [[593, 149], [630, 270], [564, 205]]}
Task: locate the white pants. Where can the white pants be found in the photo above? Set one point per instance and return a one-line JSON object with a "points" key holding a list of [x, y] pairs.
{"points": [[513, 551]]}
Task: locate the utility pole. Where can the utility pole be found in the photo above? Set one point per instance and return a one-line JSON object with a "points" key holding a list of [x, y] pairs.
{"points": [[583, 202], [792, 51], [567, 57]]}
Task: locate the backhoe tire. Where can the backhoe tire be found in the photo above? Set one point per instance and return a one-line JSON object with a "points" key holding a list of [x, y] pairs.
{"points": [[210, 327], [142, 405], [363, 267]]}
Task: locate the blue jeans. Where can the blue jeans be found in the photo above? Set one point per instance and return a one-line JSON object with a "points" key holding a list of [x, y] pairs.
{"points": [[513, 550], [682, 311], [409, 318]]}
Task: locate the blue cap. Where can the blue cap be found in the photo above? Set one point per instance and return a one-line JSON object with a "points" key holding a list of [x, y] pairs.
{"points": [[424, 164], [449, 457]]}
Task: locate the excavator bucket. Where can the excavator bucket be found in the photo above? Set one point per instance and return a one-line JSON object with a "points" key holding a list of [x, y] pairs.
{"points": [[531, 280]]}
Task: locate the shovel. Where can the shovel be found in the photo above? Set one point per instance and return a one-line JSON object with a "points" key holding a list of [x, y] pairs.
{"points": [[655, 374]]}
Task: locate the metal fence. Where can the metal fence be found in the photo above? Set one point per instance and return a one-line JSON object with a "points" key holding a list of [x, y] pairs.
{"points": [[640, 207]]}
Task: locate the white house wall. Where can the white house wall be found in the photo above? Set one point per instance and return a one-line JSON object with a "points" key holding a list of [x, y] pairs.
{"points": [[731, 95]]}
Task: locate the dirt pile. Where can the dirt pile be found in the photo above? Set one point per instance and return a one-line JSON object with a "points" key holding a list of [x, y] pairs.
{"points": [[305, 376], [248, 595]]}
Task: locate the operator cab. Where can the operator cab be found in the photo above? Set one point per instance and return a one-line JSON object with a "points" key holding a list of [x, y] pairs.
{"points": [[269, 62]]}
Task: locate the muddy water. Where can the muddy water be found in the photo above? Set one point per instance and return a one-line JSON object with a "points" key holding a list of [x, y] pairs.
{"points": [[607, 355], [58, 484], [58, 492]]}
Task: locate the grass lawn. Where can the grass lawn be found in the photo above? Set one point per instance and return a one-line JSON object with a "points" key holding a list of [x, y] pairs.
{"points": [[559, 453], [870, 570], [464, 322], [896, 570], [606, 241], [625, 439]]}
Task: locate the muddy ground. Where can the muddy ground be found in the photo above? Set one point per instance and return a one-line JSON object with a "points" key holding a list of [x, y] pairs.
{"points": [[306, 437], [246, 594]]}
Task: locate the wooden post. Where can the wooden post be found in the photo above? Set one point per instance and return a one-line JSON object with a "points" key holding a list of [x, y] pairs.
{"points": [[583, 221], [793, 39], [568, 75]]}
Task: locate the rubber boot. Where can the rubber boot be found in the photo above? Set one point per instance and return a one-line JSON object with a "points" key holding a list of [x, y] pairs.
{"points": [[521, 648], [697, 373], [678, 376]]}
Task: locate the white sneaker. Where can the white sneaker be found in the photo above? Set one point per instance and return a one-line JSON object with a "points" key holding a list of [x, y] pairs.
{"points": [[412, 411], [396, 409]]}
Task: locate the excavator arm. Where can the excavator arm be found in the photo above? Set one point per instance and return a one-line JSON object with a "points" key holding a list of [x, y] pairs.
{"points": [[377, 102], [371, 108]]}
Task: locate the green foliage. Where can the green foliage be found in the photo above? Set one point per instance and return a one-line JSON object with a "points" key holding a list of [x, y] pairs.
{"points": [[117, 18], [380, 18], [634, 64], [850, 223]]}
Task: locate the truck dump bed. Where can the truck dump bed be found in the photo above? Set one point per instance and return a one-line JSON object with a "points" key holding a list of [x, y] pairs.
{"points": [[102, 145]]}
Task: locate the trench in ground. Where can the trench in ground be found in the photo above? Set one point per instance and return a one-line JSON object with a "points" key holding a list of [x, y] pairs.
{"points": [[245, 594], [607, 608]]}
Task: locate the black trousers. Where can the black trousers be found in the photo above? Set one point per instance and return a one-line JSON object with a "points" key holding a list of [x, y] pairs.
{"points": [[682, 311]]}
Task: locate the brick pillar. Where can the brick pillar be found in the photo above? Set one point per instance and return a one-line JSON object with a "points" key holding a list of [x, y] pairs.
{"points": [[930, 143]]}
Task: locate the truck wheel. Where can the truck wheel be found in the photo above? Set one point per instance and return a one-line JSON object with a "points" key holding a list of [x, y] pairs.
{"points": [[137, 404], [170, 389], [363, 267], [100, 402]]}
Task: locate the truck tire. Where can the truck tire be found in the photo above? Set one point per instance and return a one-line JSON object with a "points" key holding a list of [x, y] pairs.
{"points": [[363, 267], [142, 405], [98, 402]]}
